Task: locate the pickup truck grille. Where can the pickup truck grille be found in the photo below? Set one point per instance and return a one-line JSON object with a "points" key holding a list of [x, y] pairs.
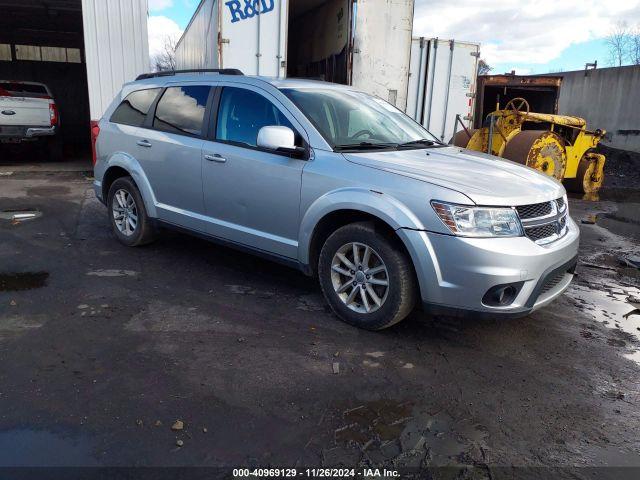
{"points": [[544, 222]]}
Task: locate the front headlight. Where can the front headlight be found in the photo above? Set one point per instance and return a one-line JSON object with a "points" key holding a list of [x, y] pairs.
{"points": [[469, 221]]}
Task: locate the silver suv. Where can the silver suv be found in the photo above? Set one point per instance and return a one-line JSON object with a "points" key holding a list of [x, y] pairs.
{"points": [[339, 184]]}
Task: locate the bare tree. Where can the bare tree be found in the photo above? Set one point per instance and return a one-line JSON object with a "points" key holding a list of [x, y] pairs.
{"points": [[618, 44], [634, 46], [166, 59], [484, 67]]}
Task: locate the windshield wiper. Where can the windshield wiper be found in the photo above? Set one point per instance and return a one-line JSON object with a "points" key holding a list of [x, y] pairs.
{"points": [[365, 146], [423, 142]]}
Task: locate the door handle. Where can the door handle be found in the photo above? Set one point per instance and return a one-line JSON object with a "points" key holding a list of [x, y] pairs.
{"points": [[216, 157], [144, 143]]}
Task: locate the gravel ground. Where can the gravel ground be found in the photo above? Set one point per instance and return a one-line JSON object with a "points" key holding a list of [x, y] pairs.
{"points": [[103, 348]]}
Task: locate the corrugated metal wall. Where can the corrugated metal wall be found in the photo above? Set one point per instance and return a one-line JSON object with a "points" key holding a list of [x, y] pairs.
{"points": [[607, 98], [116, 47]]}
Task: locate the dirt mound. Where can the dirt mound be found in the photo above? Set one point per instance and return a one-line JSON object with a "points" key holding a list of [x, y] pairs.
{"points": [[622, 169]]}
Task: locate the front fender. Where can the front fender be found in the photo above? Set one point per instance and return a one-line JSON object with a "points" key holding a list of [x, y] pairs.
{"points": [[385, 207], [131, 165]]}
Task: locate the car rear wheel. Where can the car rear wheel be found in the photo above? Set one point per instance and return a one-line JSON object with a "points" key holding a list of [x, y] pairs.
{"points": [[366, 277], [127, 214]]}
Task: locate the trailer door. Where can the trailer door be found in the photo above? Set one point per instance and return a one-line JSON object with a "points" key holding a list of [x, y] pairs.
{"points": [[252, 36], [382, 48], [450, 86]]}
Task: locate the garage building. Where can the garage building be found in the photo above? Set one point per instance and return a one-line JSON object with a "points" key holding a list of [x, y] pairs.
{"points": [[83, 50]]}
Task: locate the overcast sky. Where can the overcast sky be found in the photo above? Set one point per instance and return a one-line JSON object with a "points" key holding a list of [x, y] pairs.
{"points": [[529, 36]]}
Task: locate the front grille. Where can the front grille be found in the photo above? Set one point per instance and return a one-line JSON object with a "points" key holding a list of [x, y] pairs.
{"points": [[544, 222], [535, 210], [541, 232], [552, 282]]}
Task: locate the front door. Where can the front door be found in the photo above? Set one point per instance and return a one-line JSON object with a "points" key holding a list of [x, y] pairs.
{"points": [[252, 196]]}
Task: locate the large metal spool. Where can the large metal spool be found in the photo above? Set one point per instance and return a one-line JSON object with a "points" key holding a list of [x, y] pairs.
{"points": [[541, 150]]}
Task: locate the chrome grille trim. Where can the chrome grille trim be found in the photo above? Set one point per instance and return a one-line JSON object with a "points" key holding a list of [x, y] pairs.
{"points": [[544, 222]]}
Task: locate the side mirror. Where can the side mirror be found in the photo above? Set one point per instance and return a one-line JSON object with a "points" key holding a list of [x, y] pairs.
{"points": [[280, 138]]}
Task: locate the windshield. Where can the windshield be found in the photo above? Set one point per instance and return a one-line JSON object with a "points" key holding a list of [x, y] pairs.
{"points": [[350, 119]]}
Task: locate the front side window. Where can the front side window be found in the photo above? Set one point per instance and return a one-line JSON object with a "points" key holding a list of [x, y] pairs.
{"points": [[242, 113], [134, 108], [181, 110], [347, 118]]}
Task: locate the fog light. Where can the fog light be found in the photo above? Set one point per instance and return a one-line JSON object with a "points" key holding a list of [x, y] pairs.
{"points": [[502, 295]]}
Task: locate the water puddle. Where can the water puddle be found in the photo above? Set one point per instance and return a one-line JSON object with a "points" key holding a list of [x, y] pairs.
{"points": [[618, 308], [32, 448], [624, 221], [13, 282], [16, 216]]}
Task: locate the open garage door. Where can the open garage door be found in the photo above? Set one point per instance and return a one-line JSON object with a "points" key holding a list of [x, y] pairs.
{"points": [[42, 41]]}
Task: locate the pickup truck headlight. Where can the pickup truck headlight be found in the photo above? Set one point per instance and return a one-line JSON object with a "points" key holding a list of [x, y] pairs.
{"points": [[467, 221]]}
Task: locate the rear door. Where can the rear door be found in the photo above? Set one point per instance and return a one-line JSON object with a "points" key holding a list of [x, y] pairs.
{"points": [[25, 104], [173, 138], [252, 195]]}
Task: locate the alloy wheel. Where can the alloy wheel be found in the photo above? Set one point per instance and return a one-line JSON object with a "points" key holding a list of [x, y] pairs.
{"points": [[125, 212], [359, 277]]}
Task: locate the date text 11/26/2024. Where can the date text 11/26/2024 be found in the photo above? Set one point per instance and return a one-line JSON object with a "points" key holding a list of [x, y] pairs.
{"points": [[314, 473]]}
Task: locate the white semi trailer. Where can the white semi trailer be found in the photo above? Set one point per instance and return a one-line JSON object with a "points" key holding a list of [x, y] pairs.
{"points": [[365, 43], [442, 84]]}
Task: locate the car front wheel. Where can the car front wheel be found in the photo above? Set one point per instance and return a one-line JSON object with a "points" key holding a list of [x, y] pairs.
{"points": [[128, 215], [366, 277]]}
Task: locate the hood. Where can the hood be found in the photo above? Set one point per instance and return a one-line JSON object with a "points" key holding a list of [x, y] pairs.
{"points": [[485, 179]]}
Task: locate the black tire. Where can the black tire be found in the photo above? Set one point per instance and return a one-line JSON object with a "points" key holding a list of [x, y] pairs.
{"points": [[144, 231], [402, 291]]}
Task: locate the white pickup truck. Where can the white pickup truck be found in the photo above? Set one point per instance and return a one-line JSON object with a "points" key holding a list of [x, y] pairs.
{"points": [[28, 113]]}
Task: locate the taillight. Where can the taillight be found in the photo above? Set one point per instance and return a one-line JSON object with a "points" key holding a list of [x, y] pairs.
{"points": [[53, 114], [95, 131]]}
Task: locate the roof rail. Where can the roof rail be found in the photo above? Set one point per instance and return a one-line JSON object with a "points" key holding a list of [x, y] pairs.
{"points": [[167, 73]]}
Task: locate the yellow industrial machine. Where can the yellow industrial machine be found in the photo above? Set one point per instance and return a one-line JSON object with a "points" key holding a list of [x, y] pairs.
{"points": [[558, 145]]}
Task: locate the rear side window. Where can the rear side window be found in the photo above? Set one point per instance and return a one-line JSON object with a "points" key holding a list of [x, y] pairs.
{"points": [[242, 113], [181, 110], [17, 89], [134, 108]]}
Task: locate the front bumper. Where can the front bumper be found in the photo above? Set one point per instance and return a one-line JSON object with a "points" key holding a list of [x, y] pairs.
{"points": [[455, 273]]}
